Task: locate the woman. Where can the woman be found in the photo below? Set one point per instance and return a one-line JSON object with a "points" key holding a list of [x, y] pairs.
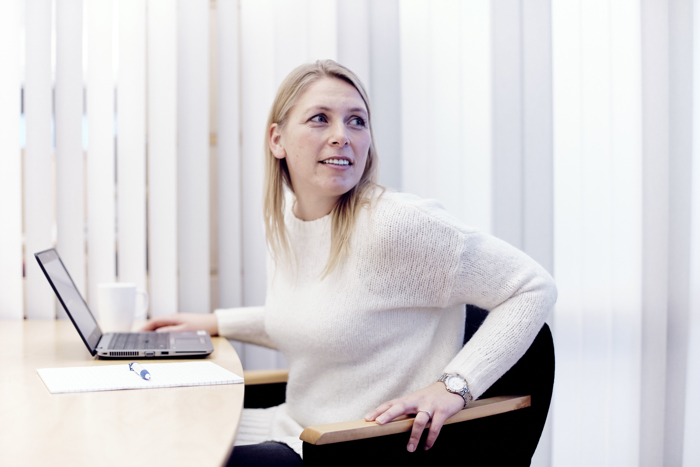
{"points": [[366, 288]]}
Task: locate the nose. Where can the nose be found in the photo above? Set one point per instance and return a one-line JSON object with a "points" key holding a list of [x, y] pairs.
{"points": [[339, 136]]}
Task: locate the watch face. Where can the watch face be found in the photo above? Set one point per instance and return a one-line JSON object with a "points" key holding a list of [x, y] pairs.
{"points": [[455, 383]]}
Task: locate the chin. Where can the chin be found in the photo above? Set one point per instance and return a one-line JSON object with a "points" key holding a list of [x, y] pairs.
{"points": [[346, 189], [337, 190]]}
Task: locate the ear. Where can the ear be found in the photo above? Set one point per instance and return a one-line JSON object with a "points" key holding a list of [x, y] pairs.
{"points": [[275, 142]]}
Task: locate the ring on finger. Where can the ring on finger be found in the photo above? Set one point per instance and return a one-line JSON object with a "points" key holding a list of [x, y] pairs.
{"points": [[430, 415]]}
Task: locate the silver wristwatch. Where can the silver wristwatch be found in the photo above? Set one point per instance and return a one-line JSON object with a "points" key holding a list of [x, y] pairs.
{"points": [[457, 385]]}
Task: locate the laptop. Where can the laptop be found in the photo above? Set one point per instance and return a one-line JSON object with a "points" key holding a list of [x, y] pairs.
{"points": [[116, 344]]}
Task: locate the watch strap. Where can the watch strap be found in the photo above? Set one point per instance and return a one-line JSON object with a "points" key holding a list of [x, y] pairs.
{"points": [[465, 393]]}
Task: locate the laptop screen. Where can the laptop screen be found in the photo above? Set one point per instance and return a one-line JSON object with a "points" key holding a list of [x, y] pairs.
{"points": [[70, 297]]}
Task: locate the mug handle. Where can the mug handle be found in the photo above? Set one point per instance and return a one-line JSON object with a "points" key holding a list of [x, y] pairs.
{"points": [[142, 312]]}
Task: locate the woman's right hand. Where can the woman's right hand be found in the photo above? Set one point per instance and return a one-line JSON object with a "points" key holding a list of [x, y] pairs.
{"points": [[183, 322]]}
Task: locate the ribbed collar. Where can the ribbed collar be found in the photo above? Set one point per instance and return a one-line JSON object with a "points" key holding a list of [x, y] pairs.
{"points": [[298, 227]]}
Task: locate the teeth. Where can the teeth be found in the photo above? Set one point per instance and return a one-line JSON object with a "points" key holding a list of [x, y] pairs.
{"points": [[336, 162]]}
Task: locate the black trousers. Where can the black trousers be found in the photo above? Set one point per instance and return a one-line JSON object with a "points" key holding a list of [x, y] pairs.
{"points": [[269, 453], [508, 439]]}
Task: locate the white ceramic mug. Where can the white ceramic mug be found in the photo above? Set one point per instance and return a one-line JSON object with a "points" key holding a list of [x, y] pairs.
{"points": [[116, 302]]}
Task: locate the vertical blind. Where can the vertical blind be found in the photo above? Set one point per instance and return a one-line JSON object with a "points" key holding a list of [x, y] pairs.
{"points": [[11, 170], [131, 138], [100, 187], [598, 231], [38, 164]]}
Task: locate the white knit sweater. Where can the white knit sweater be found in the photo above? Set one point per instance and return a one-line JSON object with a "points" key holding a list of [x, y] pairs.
{"points": [[391, 319]]}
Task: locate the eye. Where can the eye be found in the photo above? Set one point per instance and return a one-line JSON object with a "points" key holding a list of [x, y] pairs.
{"points": [[320, 118], [357, 121]]}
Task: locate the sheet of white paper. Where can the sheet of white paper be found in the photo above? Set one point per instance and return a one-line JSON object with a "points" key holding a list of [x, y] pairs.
{"points": [[115, 377]]}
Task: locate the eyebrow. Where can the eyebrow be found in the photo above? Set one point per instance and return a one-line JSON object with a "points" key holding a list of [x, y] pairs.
{"points": [[328, 109]]}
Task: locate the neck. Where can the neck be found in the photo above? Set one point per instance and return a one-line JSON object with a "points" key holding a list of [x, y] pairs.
{"points": [[309, 208]]}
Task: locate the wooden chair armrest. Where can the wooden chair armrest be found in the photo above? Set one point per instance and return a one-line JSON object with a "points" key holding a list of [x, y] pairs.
{"points": [[252, 377], [360, 429]]}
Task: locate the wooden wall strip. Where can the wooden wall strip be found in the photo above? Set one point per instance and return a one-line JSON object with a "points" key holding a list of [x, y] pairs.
{"points": [[162, 156], [12, 300], [70, 167], [100, 155], [38, 173], [131, 143], [193, 155]]}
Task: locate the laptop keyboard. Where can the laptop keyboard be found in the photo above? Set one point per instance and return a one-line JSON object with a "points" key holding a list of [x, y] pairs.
{"points": [[140, 341]]}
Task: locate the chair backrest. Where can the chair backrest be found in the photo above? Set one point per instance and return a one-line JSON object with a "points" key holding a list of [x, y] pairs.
{"points": [[533, 374], [475, 316]]}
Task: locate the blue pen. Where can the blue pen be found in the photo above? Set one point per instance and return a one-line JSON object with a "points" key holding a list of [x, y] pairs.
{"points": [[139, 370]]}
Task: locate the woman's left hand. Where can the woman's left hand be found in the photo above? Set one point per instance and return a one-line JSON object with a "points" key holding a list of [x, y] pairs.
{"points": [[434, 399]]}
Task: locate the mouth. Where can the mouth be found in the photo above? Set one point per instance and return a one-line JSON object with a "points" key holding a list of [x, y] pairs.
{"points": [[337, 161]]}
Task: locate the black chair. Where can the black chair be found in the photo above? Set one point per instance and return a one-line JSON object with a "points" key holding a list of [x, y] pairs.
{"points": [[502, 428]]}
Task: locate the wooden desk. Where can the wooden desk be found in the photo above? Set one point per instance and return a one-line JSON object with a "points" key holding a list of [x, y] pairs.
{"points": [[169, 426]]}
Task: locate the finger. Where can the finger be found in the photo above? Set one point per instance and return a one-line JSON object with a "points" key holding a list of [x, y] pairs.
{"points": [[150, 325], [379, 410], [419, 424], [435, 426], [154, 323], [399, 408], [179, 327]]}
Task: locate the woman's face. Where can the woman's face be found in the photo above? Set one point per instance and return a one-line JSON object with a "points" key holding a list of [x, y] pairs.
{"points": [[325, 140]]}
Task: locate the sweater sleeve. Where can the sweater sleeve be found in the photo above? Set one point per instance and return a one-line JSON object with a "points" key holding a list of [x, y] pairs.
{"points": [[519, 295], [245, 324]]}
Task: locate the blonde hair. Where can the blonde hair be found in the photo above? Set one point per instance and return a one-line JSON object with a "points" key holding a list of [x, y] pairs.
{"points": [[277, 177]]}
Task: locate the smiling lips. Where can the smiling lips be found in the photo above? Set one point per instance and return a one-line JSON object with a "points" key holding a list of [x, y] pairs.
{"points": [[336, 162]]}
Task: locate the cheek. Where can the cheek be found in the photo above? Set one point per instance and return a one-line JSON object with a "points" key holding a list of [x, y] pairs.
{"points": [[296, 157], [364, 150], [304, 149]]}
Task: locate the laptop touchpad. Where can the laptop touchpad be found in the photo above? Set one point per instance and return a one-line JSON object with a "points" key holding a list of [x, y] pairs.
{"points": [[188, 343]]}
